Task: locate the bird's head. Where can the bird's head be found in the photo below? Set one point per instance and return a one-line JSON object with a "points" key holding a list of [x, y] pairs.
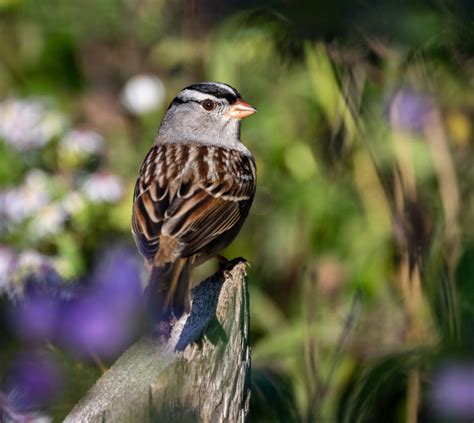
{"points": [[209, 112]]}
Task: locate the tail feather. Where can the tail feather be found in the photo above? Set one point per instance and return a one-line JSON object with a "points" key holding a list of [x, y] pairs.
{"points": [[167, 292]]}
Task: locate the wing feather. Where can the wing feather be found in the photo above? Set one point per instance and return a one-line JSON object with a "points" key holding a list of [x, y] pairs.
{"points": [[187, 201]]}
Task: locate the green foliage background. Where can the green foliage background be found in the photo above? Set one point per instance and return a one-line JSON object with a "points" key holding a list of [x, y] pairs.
{"points": [[361, 236]]}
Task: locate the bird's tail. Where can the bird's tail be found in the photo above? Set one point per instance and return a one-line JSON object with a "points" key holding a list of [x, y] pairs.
{"points": [[167, 292]]}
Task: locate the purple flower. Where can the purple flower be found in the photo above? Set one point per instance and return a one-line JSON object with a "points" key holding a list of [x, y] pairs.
{"points": [[452, 394], [102, 322], [37, 297], [118, 280], [409, 110], [10, 414], [30, 272], [33, 381], [35, 318], [98, 317], [90, 326]]}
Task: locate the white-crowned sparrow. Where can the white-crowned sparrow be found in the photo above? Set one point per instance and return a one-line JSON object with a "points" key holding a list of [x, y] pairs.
{"points": [[194, 191]]}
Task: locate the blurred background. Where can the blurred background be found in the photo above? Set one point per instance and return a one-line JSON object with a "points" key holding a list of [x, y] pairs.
{"points": [[361, 237]]}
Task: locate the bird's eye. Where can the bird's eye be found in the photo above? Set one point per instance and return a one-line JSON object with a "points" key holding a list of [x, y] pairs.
{"points": [[208, 104]]}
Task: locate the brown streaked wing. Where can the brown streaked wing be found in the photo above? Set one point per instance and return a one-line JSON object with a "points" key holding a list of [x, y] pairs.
{"points": [[147, 213], [220, 216], [194, 209], [146, 224], [212, 211]]}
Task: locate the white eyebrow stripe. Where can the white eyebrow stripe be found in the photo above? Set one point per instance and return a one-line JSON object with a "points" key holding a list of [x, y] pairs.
{"points": [[187, 95]]}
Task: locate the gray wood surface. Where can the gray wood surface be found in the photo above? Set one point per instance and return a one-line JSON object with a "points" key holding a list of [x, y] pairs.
{"points": [[201, 374]]}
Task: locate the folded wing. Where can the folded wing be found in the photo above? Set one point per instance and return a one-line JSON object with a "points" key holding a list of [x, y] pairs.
{"points": [[197, 195]]}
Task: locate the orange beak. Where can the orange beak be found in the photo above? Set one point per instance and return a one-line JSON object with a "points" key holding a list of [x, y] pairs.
{"points": [[240, 110]]}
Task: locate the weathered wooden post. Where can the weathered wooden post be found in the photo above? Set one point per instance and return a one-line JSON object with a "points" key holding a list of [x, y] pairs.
{"points": [[201, 374]]}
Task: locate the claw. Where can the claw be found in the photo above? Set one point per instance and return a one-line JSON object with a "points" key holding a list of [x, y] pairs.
{"points": [[226, 264]]}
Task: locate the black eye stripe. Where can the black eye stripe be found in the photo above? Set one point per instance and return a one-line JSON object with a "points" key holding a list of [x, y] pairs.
{"points": [[178, 100]]}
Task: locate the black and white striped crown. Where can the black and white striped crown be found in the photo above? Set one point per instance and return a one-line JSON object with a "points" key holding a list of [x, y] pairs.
{"points": [[205, 90]]}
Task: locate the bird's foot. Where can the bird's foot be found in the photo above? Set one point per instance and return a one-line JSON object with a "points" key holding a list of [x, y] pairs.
{"points": [[226, 264]]}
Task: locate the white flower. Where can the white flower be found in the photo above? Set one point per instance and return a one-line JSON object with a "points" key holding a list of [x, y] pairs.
{"points": [[7, 263], [29, 124], [31, 261], [103, 188], [48, 221], [143, 93], [3, 210], [73, 203], [16, 204], [37, 179], [82, 142], [30, 265]]}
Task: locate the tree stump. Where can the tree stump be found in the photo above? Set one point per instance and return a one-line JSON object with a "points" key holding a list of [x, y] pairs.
{"points": [[202, 373]]}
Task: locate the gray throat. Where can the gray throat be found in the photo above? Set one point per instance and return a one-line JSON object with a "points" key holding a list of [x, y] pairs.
{"points": [[223, 133]]}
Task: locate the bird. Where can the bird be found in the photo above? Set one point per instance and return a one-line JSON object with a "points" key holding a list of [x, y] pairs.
{"points": [[193, 193]]}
